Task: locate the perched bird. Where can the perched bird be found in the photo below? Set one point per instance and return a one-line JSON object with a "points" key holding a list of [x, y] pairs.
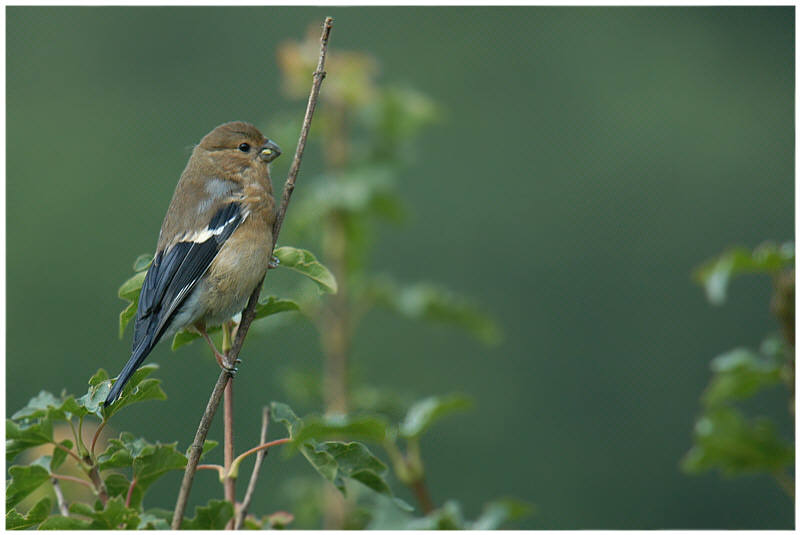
{"points": [[215, 243]]}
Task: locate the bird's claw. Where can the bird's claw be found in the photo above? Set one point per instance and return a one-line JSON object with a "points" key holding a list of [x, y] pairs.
{"points": [[231, 369], [273, 262]]}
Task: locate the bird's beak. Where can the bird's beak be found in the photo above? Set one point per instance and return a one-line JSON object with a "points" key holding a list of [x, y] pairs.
{"points": [[269, 151]]}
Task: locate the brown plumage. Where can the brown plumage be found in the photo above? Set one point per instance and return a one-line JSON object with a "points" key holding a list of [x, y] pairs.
{"points": [[214, 245]]}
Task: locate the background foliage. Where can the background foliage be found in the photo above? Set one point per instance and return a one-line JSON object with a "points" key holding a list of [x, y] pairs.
{"points": [[586, 159]]}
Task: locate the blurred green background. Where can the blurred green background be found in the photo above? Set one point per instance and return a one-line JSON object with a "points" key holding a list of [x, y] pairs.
{"points": [[589, 158]]}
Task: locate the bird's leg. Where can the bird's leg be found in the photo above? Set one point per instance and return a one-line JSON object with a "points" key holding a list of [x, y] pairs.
{"points": [[201, 328], [273, 262]]}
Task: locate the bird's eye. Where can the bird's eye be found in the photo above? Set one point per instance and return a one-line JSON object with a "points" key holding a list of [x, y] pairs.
{"points": [[244, 147]]}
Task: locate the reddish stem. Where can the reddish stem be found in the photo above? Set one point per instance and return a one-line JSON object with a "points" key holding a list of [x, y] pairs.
{"points": [[71, 478], [130, 493], [265, 446], [70, 452]]}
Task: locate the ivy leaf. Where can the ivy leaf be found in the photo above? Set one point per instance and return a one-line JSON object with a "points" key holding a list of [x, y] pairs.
{"points": [[37, 406], [306, 264], [215, 515], [740, 374], [114, 515], [63, 523], [334, 460], [282, 413], [149, 461], [274, 305], [149, 520], [184, 337], [715, 274], [119, 486], [60, 455], [337, 461], [129, 291], [143, 262], [423, 414], [208, 445], [35, 516], [155, 461], [121, 451], [363, 427], [24, 481], [20, 437], [449, 516], [498, 512], [726, 440], [426, 301], [138, 389]]}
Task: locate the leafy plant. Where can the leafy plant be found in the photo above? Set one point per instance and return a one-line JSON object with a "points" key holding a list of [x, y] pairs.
{"points": [[367, 134], [725, 437]]}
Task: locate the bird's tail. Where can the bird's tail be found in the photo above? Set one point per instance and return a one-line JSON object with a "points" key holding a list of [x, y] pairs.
{"points": [[136, 360]]}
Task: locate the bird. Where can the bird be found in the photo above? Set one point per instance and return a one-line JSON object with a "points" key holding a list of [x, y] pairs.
{"points": [[214, 246]]}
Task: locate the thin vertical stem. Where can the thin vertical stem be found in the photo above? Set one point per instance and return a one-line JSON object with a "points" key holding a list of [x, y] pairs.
{"points": [[196, 449], [251, 487], [230, 483]]}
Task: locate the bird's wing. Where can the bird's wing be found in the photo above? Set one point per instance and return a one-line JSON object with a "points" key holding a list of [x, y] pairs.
{"points": [[175, 271]]}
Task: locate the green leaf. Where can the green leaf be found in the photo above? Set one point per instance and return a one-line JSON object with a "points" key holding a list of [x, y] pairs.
{"points": [[740, 374], [208, 445], [118, 486], [184, 337], [126, 316], [215, 515], [423, 414], [149, 520], [121, 451], [20, 437], [149, 461], [138, 389], [35, 516], [155, 461], [100, 377], [337, 461], [129, 291], [24, 481], [449, 516], [59, 455], [114, 515], [37, 406], [46, 405], [429, 302], [274, 305], [306, 264], [281, 412], [63, 523], [716, 273], [724, 439], [366, 191], [132, 287], [142, 262], [363, 427], [498, 512], [334, 460]]}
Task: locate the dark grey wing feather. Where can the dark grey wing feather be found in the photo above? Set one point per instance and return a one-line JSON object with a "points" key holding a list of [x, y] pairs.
{"points": [[169, 281]]}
